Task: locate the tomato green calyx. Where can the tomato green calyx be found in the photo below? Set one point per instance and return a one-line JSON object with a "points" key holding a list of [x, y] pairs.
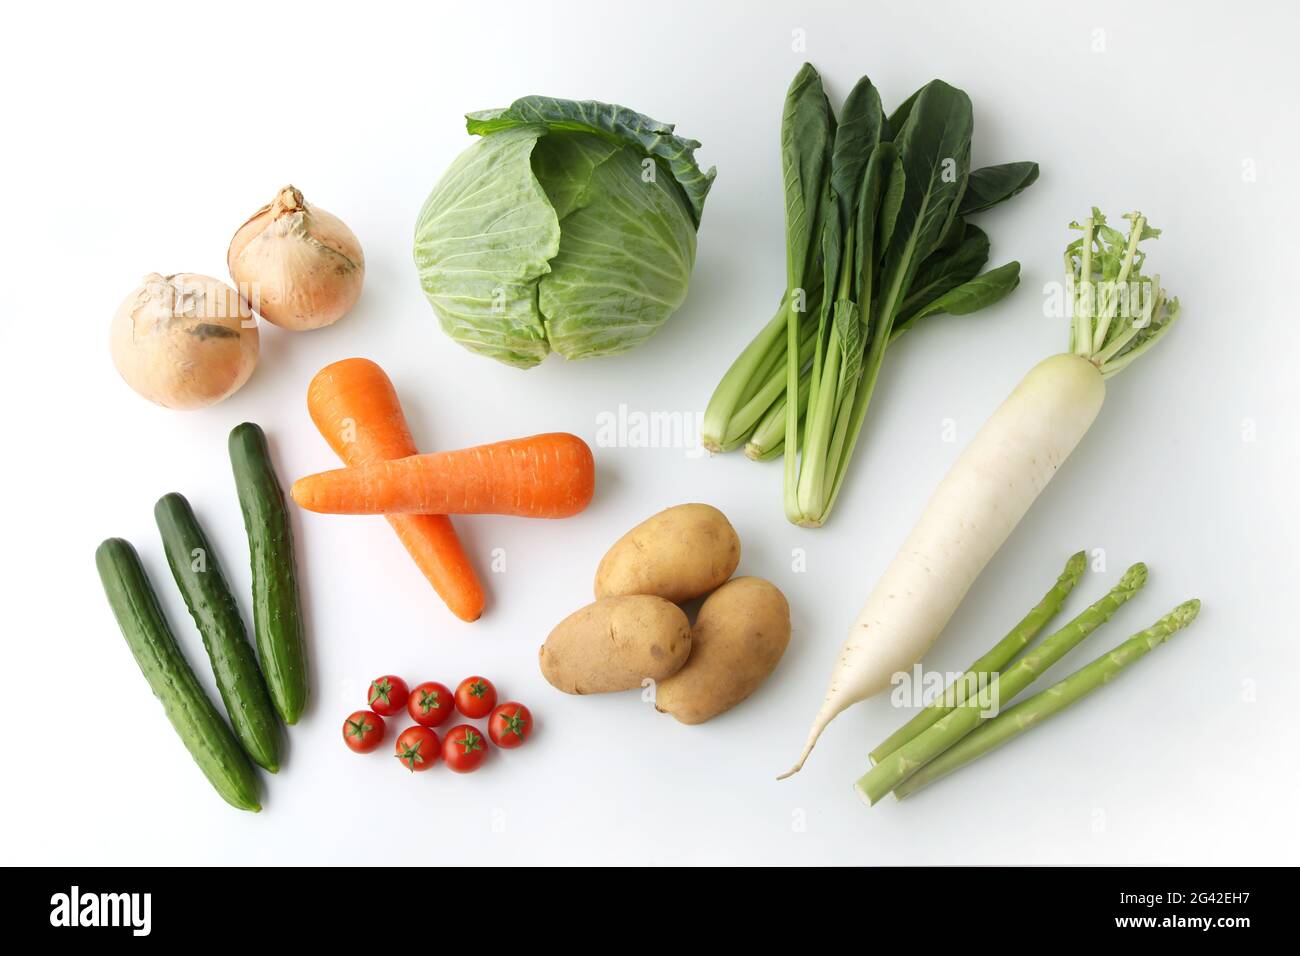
{"points": [[428, 701], [514, 724], [411, 756], [470, 742], [478, 689], [381, 690], [359, 728]]}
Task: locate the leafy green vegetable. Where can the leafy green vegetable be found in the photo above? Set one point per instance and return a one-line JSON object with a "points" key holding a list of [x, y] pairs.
{"points": [[753, 388], [807, 131], [890, 244], [933, 146], [569, 227], [841, 334]]}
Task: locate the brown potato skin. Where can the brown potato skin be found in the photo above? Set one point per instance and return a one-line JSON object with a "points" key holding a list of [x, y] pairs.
{"points": [[742, 630], [616, 643], [678, 555]]}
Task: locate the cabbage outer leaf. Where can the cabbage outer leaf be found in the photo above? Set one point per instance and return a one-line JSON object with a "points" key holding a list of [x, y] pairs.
{"points": [[627, 246], [484, 237], [618, 123]]}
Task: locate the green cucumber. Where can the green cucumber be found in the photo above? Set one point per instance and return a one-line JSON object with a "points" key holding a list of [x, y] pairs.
{"points": [[203, 585], [277, 616], [200, 727]]}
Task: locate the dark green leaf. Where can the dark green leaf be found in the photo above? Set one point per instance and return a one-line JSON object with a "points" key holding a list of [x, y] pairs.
{"points": [[951, 240], [899, 117], [978, 293], [858, 132], [946, 235], [856, 135], [891, 198], [868, 240], [933, 145], [990, 185], [831, 247], [944, 270], [807, 128]]}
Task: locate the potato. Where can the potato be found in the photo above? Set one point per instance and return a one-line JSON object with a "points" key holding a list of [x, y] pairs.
{"points": [[615, 643], [741, 632], [678, 554]]}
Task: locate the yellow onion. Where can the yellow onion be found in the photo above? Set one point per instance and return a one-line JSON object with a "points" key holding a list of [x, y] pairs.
{"points": [[297, 265], [184, 341]]}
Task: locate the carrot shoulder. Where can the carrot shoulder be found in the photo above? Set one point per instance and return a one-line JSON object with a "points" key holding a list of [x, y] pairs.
{"points": [[542, 476], [355, 407]]}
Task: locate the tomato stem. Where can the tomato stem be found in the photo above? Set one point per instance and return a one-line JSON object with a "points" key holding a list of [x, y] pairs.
{"points": [[411, 755]]}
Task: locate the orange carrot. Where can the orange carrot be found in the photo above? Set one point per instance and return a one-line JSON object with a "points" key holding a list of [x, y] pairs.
{"points": [[355, 407], [544, 476]]}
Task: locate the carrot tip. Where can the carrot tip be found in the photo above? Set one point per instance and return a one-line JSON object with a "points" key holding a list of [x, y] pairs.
{"points": [[301, 494]]}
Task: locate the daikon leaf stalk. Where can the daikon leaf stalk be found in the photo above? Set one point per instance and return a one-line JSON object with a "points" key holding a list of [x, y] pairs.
{"points": [[1117, 313]]}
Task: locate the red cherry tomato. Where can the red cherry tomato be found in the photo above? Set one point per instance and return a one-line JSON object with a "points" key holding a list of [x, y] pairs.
{"points": [[363, 731], [464, 748], [387, 695], [475, 697], [510, 725], [430, 703], [417, 748]]}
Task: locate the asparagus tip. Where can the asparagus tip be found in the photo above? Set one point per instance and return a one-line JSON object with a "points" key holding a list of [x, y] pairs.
{"points": [[1074, 567], [1134, 577], [1186, 612]]}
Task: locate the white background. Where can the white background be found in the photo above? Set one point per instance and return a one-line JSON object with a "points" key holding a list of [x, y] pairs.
{"points": [[139, 141]]}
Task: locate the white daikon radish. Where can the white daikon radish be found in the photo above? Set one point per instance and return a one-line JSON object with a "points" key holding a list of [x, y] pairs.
{"points": [[1117, 315]]}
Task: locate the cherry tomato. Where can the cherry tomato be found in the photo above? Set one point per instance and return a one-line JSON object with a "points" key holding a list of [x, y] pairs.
{"points": [[417, 748], [387, 695], [430, 703], [464, 748], [510, 725], [363, 731], [475, 697]]}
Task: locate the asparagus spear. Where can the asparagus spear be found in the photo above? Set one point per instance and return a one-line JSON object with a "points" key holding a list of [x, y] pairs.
{"points": [[995, 660], [916, 753], [1014, 722]]}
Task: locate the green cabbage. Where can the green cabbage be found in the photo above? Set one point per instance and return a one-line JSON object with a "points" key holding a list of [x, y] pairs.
{"points": [[568, 227]]}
